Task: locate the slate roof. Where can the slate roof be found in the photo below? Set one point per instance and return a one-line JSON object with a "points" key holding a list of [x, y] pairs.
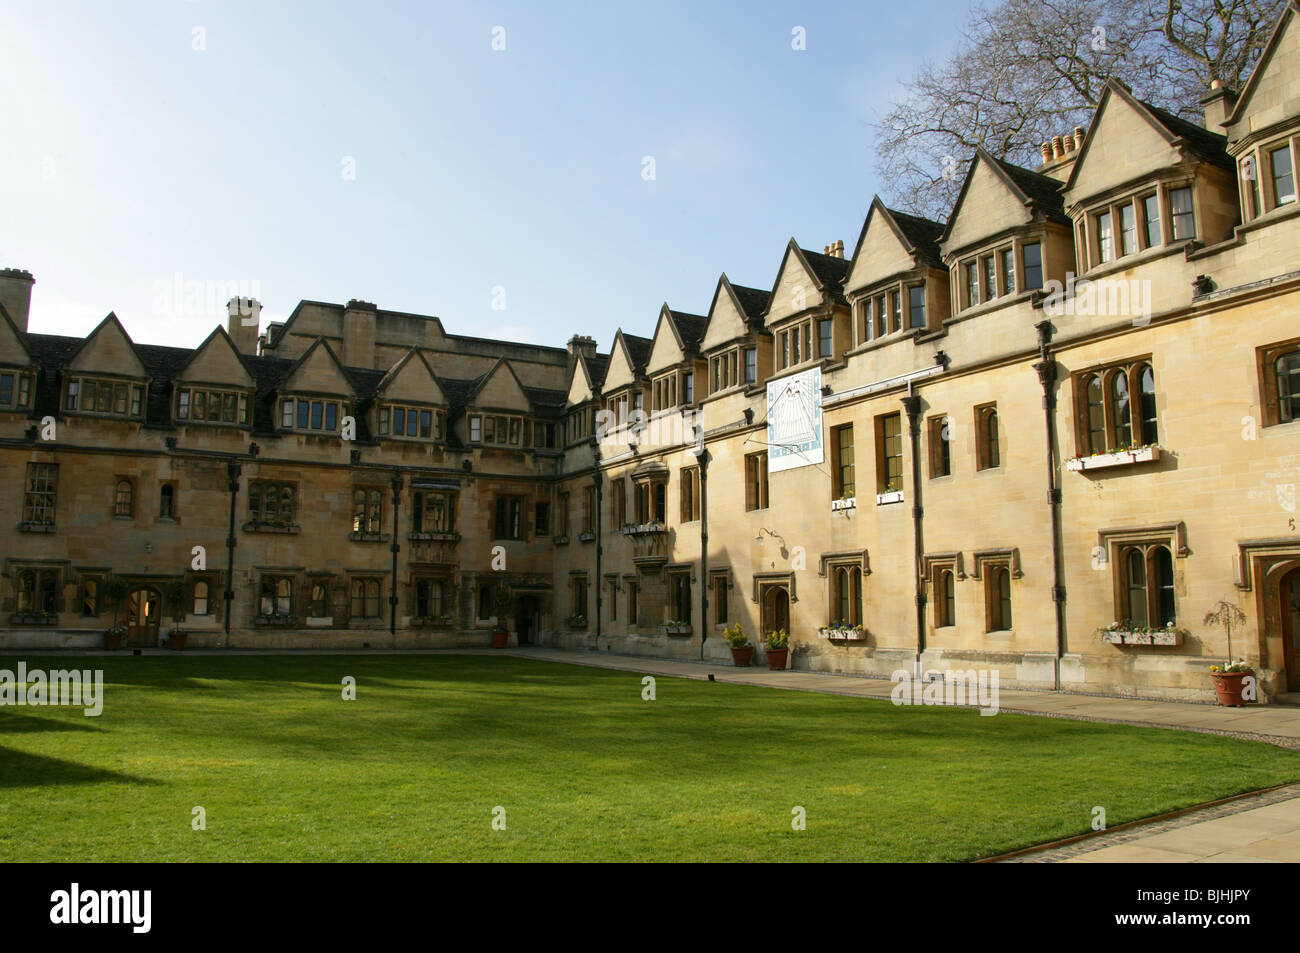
{"points": [[597, 366], [689, 326], [830, 270], [923, 233], [1045, 191], [638, 348], [753, 301], [1205, 144]]}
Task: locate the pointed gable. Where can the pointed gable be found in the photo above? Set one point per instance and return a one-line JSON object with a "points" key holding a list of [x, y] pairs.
{"points": [[990, 202], [624, 368], [883, 250], [13, 349], [1126, 140], [581, 387], [499, 389], [108, 349], [412, 379], [667, 347], [797, 285], [318, 371], [732, 313], [1272, 93], [216, 361]]}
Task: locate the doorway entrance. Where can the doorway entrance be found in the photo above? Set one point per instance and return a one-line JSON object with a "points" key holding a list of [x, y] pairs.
{"points": [[1289, 599], [776, 609], [142, 617], [527, 616]]}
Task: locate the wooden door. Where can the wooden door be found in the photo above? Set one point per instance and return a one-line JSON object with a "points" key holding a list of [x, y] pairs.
{"points": [[142, 617], [1289, 594]]}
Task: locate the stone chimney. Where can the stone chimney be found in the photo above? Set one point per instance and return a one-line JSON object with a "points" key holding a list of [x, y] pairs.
{"points": [[835, 249], [242, 318], [582, 344], [1219, 102], [16, 295], [359, 334], [1061, 153]]}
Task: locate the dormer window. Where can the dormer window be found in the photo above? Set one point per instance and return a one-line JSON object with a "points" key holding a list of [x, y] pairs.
{"points": [[424, 423], [203, 405], [1283, 174], [495, 429], [302, 413], [87, 395], [1181, 213], [916, 306], [15, 390]]}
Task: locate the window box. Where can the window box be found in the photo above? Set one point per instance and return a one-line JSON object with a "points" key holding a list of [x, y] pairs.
{"points": [[586, 537], [33, 618], [576, 621], [852, 633], [677, 628], [895, 496], [29, 527], [1120, 458], [638, 529], [1121, 636], [560, 540], [433, 537], [430, 621], [255, 527], [276, 620], [847, 503], [368, 537]]}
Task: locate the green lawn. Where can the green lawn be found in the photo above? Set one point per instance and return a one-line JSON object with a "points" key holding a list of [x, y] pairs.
{"points": [[584, 768]]}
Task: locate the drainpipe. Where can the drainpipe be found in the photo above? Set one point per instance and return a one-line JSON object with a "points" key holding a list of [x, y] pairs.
{"points": [[598, 478], [912, 404], [1047, 376], [396, 484], [703, 455], [233, 470]]}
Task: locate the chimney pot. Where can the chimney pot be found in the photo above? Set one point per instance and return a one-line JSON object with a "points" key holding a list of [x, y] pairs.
{"points": [[1058, 148], [1046, 151], [16, 295]]}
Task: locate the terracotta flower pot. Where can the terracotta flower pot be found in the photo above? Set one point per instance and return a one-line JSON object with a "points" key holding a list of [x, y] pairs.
{"points": [[1228, 687], [112, 642], [776, 658], [742, 656], [500, 639], [177, 641]]}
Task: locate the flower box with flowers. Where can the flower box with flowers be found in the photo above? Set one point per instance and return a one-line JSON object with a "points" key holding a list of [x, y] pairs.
{"points": [[1117, 458], [843, 630], [677, 627], [1125, 633], [33, 618], [430, 621], [275, 619], [576, 621]]}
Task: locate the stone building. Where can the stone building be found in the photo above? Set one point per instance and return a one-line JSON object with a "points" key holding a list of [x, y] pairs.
{"points": [[1046, 436]]}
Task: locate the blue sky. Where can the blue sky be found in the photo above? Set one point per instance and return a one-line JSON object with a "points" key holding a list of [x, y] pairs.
{"points": [[143, 141]]}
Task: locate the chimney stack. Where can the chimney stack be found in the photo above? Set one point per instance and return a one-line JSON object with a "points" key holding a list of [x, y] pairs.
{"points": [[1058, 148], [359, 333], [1219, 102], [16, 295], [1046, 151], [242, 318], [582, 344]]}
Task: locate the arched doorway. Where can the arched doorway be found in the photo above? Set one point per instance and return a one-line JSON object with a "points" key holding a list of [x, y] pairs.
{"points": [[1289, 607], [142, 617], [776, 608], [526, 620]]}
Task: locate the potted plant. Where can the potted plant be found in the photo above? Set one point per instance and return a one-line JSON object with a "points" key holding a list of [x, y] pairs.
{"points": [[115, 591], [501, 607], [1230, 683], [677, 627], [114, 636], [778, 648], [742, 651], [174, 595]]}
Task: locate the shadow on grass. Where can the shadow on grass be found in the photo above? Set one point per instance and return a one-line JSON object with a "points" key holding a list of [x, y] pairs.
{"points": [[18, 769], [13, 723]]}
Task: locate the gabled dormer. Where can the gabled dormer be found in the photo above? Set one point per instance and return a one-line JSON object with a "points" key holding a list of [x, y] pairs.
{"points": [[671, 366], [105, 377], [808, 315], [1145, 184], [18, 372], [624, 390], [1263, 123], [213, 387], [736, 344], [498, 409], [410, 403], [1008, 234], [315, 394], [897, 285]]}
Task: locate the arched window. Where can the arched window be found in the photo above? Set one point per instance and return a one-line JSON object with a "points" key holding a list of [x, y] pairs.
{"points": [[1162, 578], [1096, 417], [848, 584], [1135, 569], [200, 598], [167, 501], [46, 591], [988, 452], [318, 600], [1148, 586], [358, 511], [375, 501], [124, 498], [1147, 404], [27, 591], [1122, 421], [90, 597], [947, 598], [1000, 599], [283, 596]]}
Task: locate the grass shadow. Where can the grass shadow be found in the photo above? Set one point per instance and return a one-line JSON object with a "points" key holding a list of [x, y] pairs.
{"points": [[14, 723], [18, 769]]}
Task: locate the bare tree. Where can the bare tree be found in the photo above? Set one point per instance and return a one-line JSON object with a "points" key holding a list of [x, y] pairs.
{"points": [[1031, 69]]}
